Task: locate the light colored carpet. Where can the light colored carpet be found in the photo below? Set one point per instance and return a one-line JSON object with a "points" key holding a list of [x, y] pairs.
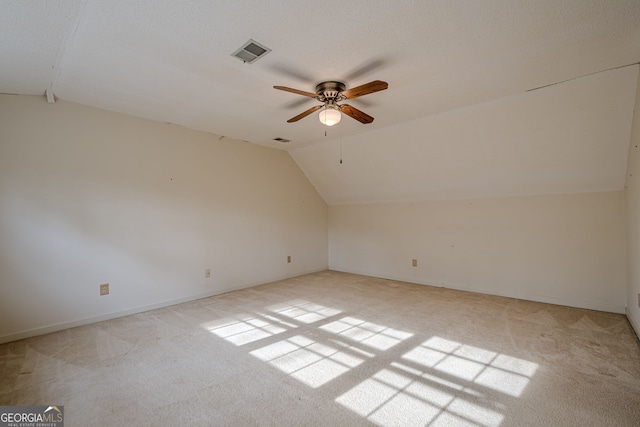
{"points": [[336, 349]]}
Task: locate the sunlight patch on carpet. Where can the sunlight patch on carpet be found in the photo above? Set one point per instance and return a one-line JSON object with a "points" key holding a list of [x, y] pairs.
{"points": [[304, 311], [244, 330], [373, 335], [393, 395], [506, 374], [440, 382], [307, 361]]}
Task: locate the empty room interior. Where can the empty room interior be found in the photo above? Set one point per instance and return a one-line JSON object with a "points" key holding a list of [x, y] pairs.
{"points": [[321, 213]]}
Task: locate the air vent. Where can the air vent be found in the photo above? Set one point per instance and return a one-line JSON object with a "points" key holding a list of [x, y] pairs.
{"points": [[282, 140], [251, 51]]}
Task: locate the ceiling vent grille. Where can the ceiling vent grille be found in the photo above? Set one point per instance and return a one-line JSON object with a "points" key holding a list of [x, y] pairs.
{"points": [[251, 51]]}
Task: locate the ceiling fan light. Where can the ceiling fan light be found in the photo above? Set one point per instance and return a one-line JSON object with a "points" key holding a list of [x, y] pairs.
{"points": [[330, 116]]}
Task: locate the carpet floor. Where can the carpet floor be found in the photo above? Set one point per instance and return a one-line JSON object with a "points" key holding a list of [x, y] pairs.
{"points": [[336, 349]]}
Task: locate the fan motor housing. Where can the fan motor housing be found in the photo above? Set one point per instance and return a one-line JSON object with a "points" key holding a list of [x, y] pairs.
{"points": [[329, 90]]}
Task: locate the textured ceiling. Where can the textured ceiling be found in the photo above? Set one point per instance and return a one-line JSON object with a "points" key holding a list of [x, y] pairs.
{"points": [[456, 121]]}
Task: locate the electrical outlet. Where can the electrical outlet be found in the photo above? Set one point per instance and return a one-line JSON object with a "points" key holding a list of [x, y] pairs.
{"points": [[289, 259], [104, 289], [207, 273], [414, 262]]}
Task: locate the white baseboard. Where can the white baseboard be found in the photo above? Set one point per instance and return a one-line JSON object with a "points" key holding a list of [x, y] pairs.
{"points": [[634, 325], [141, 309], [610, 308]]}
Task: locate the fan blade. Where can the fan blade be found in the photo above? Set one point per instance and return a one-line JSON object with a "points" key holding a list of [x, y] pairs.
{"points": [[305, 114], [365, 89], [299, 92], [356, 114]]}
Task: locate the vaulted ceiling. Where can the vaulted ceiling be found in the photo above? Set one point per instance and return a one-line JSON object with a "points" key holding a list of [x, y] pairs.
{"points": [[485, 99]]}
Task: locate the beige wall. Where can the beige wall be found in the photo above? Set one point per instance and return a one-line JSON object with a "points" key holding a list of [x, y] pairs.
{"points": [[564, 249], [89, 196], [632, 193]]}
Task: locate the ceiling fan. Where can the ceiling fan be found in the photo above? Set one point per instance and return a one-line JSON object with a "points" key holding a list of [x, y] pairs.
{"points": [[330, 93]]}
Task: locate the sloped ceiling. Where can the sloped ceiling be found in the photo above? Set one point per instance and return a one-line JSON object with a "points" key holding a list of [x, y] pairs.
{"points": [[460, 118], [567, 138]]}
